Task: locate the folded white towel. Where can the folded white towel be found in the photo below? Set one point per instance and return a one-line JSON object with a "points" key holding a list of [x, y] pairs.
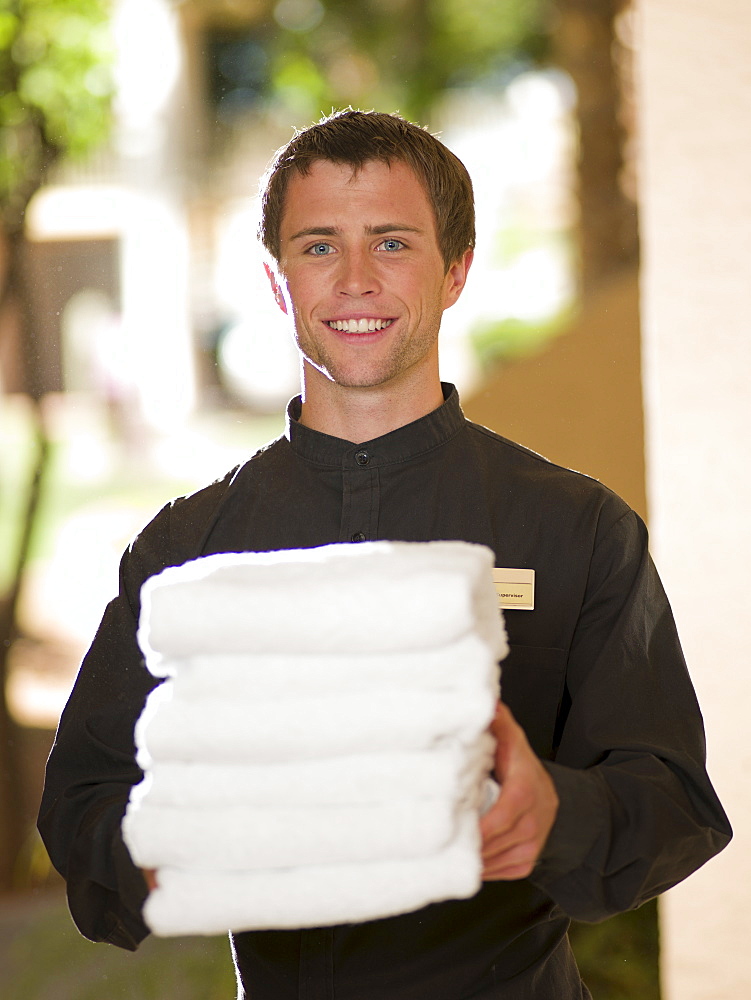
{"points": [[445, 772], [206, 902], [227, 730], [245, 837], [318, 753], [381, 596], [460, 665]]}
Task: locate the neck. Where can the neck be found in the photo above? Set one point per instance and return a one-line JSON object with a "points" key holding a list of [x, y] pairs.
{"points": [[360, 414]]}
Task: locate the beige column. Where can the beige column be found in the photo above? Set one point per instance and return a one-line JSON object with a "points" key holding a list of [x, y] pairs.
{"points": [[694, 75]]}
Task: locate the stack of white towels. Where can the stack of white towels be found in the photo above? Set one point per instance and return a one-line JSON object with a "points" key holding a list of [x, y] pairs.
{"points": [[318, 753]]}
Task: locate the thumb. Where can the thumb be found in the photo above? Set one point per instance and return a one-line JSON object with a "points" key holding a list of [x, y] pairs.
{"points": [[505, 728]]}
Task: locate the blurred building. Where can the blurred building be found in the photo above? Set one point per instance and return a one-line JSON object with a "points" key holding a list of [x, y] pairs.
{"points": [[153, 237]]}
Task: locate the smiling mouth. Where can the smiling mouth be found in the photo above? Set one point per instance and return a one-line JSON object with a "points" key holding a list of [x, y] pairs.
{"points": [[358, 325]]}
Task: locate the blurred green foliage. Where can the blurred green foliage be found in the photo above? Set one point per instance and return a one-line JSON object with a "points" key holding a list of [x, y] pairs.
{"points": [[55, 90], [512, 338], [398, 54], [619, 959], [48, 960]]}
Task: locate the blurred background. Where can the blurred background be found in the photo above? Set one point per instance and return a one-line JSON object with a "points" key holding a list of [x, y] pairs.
{"points": [[141, 355]]}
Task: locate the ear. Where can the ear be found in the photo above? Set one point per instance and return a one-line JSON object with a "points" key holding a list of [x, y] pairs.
{"points": [[456, 278], [275, 287]]}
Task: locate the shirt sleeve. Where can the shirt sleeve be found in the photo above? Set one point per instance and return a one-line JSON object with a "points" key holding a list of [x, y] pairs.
{"points": [[637, 810], [92, 765]]}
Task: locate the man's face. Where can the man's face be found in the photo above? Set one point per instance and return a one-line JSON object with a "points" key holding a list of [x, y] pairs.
{"points": [[361, 273]]}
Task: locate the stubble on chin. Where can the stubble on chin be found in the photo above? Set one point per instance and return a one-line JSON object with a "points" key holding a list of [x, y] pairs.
{"points": [[363, 374], [345, 368]]}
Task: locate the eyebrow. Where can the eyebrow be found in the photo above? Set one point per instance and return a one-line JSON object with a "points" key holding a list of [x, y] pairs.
{"points": [[386, 227]]}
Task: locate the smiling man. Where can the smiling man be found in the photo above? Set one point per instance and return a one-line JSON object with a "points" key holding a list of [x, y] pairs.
{"points": [[361, 273], [605, 801]]}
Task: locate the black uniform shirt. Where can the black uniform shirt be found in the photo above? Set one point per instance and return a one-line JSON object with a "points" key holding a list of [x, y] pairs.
{"points": [[595, 676]]}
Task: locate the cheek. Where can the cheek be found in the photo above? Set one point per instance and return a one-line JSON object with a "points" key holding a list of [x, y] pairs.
{"points": [[301, 321], [300, 296]]}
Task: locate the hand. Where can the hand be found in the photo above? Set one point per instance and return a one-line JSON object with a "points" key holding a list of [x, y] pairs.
{"points": [[515, 829]]}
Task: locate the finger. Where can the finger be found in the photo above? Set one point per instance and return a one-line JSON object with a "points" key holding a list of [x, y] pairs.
{"points": [[502, 728], [516, 863], [514, 803], [523, 834], [150, 878], [509, 873], [512, 753]]}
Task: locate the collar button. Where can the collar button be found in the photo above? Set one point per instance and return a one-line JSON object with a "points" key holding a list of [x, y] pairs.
{"points": [[362, 457]]}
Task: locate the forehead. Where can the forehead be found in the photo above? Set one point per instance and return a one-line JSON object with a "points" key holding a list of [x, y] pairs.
{"points": [[334, 194]]}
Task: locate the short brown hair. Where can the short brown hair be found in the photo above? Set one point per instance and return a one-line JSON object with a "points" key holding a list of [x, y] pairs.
{"points": [[358, 137]]}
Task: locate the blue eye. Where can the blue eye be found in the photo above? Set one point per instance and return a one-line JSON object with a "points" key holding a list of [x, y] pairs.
{"points": [[392, 245], [320, 249]]}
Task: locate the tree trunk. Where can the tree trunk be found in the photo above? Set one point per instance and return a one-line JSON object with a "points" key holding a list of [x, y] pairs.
{"points": [[589, 47], [13, 806]]}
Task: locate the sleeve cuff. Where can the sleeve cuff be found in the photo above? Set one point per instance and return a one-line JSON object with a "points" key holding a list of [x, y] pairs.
{"points": [[582, 815]]}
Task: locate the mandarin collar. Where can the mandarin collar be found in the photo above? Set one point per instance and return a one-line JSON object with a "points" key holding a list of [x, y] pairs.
{"points": [[400, 445]]}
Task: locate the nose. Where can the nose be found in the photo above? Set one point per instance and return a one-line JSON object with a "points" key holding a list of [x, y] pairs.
{"points": [[356, 275]]}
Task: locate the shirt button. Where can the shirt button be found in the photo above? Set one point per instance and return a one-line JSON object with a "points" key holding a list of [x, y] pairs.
{"points": [[362, 457], [359, 536]]}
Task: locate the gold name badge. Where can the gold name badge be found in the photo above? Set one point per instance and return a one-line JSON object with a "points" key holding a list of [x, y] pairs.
{"points": [[515, 589]]}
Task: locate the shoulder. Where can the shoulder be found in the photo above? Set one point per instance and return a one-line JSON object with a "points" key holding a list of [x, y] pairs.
{"points": [[552, 490], [179, 530]]}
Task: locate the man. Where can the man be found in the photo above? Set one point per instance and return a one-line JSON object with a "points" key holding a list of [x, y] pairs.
{"points": [[605, 801]]}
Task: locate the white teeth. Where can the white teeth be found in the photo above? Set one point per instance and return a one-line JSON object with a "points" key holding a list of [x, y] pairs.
{"points": [[359, 325]]}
